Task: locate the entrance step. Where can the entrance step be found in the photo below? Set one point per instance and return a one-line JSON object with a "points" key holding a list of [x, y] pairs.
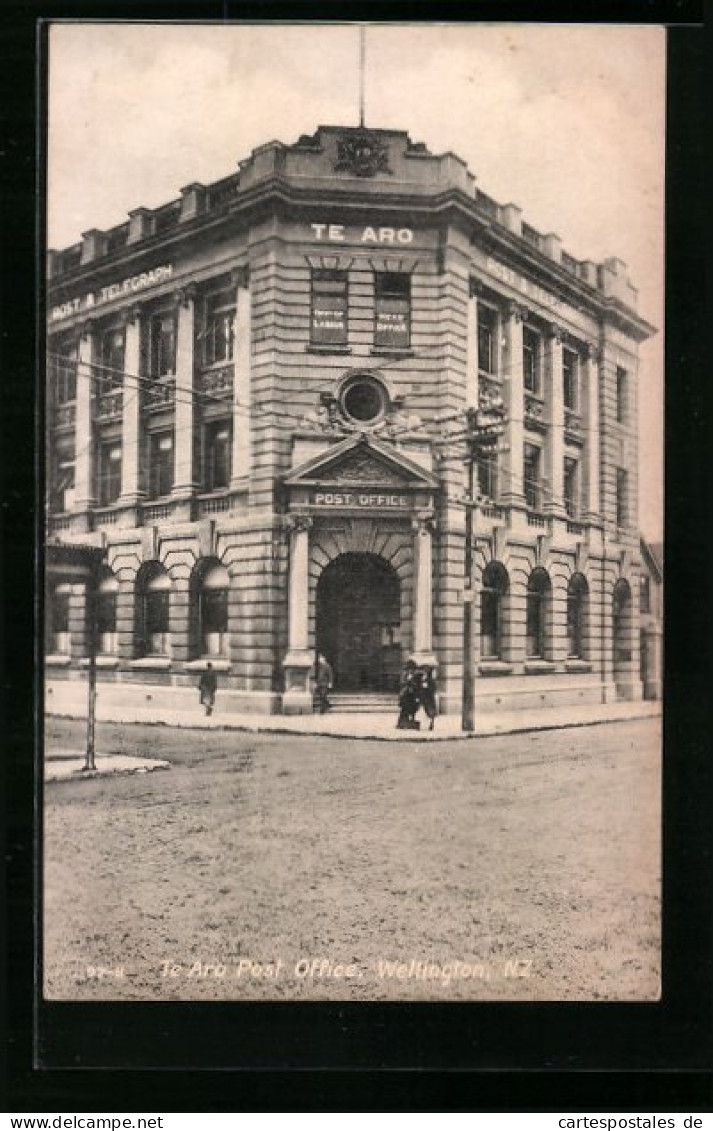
{"points": [[372, 703]]}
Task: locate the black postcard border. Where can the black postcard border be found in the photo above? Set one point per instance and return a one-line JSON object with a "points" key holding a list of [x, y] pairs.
{"points": [[67, 1053]]}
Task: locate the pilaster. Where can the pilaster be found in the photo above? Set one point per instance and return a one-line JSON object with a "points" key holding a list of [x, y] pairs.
{"points": [[512, 492], [84, 430], [241, 379], [422, 527], [297, 698], [183, 484], [131, 412], [554, 393], [590, 397]]}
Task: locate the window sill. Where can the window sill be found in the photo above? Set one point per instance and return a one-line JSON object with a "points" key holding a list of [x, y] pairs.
{"points": [[104, 661], [156, 663], [539, 667], [391, 351], [328, 349], [495, 667], [57, 660], [577, 666], [201, 665]]}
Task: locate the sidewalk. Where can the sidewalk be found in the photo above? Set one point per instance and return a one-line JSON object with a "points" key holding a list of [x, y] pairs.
{"points": [[381, 726], [66, 765]]}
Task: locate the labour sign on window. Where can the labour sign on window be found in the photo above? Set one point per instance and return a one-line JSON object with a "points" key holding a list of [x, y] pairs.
{"points": [[329, 322]]}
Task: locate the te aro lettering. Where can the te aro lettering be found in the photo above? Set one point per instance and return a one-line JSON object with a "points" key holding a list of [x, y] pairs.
{"points": [[335, 233]]}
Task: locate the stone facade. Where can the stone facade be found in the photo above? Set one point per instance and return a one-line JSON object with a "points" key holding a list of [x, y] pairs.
{"points": [[272, 374]]}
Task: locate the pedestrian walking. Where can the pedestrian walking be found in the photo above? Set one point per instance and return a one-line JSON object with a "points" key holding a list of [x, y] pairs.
{"points": [[324, 681], [207, 687], [408, 699], [426, 691]]}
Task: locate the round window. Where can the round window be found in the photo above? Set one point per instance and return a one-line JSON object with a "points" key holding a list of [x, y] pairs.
{"points": [[364, 400]]}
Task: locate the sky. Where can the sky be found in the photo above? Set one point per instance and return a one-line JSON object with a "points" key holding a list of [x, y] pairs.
{"points": [[567, 121]]}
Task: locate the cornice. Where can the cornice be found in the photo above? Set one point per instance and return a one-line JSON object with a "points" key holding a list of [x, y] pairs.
{"points": [[278, 190]]}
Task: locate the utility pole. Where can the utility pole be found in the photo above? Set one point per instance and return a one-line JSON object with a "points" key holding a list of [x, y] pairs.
{"points": [[468, 705], [91, 592], [483, 429]]}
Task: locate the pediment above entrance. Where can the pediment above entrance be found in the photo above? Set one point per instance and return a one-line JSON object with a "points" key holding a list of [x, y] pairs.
{"points": [[362, 462]]}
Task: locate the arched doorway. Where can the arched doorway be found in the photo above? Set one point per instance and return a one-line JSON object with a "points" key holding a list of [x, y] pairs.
{"points": [[359, 622]]}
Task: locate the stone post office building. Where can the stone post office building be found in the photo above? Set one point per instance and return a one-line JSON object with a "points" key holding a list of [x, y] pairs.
{"points": [[256, 404]]}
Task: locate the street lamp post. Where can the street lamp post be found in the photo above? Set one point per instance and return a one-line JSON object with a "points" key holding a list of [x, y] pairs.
{"points": [[91, 628]]}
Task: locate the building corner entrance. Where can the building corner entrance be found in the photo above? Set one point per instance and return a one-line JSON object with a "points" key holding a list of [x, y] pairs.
{"points": [[358, 622]]}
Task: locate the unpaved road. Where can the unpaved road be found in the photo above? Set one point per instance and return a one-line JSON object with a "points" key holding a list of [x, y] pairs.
{"points": [[521, 867]]}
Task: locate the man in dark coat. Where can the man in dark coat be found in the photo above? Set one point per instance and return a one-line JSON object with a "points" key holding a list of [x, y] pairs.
{"points": [[207, 687], [323, 684], [408, 698]]}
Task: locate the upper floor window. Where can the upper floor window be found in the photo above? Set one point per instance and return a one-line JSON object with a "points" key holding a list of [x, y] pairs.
{"points": [[160, 464], [109, 473], [392, 327], [487, 339], [162, 344], [61, 491], [218, 333], [645, 593], [531, 358], [570, 379], [622, 497], [487, 474], [112, 348], [531, 477], [328, 325], [571, 487], [622, 395], [217, 438], [63, 374]]}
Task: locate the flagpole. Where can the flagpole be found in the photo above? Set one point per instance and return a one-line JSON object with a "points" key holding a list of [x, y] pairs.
{"points": [[362, 58]]}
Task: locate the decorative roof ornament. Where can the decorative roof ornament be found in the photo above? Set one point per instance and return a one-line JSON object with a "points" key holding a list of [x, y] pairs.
{"points": [[363, 153]]}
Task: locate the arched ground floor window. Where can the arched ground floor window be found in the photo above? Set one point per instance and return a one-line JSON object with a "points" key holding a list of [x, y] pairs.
{"points": [[211, 586], [492, 612], [537, 614], [58, 634], [577, 608], [106, 613], [153, 588]]}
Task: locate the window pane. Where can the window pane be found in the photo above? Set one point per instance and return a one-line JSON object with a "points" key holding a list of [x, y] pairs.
{"points": [[489, 642], [329, 308], [393, 310], [534, 630]]}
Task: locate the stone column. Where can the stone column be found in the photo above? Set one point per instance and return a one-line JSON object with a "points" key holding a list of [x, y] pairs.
{"points": [[472, 360], [84, 429], [131, 412], [297, 698], [183, 484], [513, 491], [554, 501], [590, 391], [241, 380], [422, 527]]}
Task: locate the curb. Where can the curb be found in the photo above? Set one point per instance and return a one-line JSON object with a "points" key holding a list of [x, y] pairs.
{"points": [[458, 736]]}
